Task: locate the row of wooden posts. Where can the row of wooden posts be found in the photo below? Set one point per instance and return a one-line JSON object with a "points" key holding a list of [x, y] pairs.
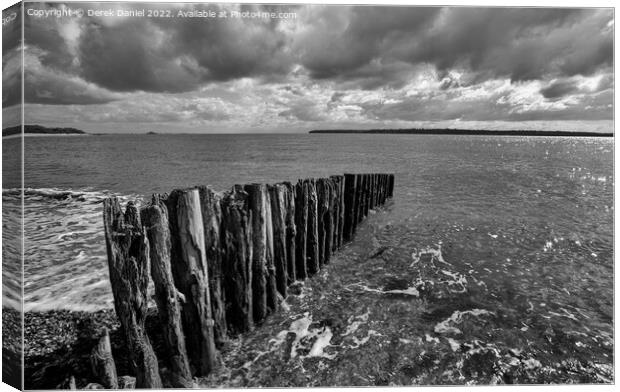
{"points": [[222, 261]]}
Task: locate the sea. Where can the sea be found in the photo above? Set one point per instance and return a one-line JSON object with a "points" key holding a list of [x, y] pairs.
{"points": [[493, 262]]}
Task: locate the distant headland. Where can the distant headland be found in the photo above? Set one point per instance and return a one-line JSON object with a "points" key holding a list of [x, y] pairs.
{"points": [[472, 132], [40, 130]]}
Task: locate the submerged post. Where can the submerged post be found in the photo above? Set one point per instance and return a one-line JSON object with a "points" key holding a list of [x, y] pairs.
{"points": [[128, 262], [391, 186]]}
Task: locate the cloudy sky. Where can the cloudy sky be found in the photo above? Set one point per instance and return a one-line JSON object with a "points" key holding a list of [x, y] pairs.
{"points": [[313, 67]]}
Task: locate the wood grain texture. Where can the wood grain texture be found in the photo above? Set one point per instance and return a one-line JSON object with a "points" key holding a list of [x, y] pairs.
{"points": [[128, 261]]}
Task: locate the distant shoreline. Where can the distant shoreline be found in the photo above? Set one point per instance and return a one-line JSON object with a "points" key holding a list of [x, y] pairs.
{"points": [[38, 130], [15, 136], [466, 132]]}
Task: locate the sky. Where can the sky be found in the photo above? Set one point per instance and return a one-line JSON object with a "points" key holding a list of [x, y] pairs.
{"points": [[294, 68]]}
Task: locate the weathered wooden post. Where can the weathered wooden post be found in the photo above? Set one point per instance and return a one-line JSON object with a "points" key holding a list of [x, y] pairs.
{"points": [[328, 219], [155, 220], [312, 250], [190, 271], [259, 251], [128, 262], [277, 194], [341, 211], [321, 197], [350, 192], [210, 202], [367, 190], [291, 233], [237, 260], [273, 299], [301, 222], [377, 190], [359, 199], [384, 188], [373, 189], [335, 210], [102, 362], [263, 271]]}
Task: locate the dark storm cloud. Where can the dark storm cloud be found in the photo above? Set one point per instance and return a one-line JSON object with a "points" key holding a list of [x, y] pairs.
{"points": [[130, 57], [11, 78], [174, 55], [229, 49], [355, 47], [11, 61], [559, 89], [522, 44], [327, 50]]}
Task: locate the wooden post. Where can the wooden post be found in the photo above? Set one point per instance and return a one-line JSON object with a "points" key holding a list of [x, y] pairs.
{"points": [[102, 362], [237, 260], [277, 194], [375, 193], [328, 219], [312, 250], [128, 262], [273, 299], [210, 202], [155, 220], [301, 222], [358, 198], [190, 271], [367, 190], [362, 197], [341, 212], [263, 270], [291, 233], [381, 189], [359, 203], [321, 197], [373, 189], [391, 186], [384, 189], [257, 202], [350, 191], [335, 210]]}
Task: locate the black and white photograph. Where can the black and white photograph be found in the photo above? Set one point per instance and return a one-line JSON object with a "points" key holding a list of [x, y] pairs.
{"points": [[242, 195]]}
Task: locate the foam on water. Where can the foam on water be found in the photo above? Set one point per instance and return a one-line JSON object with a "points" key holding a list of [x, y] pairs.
{"points": [[514, 232], [64, 262], [457, 318]]}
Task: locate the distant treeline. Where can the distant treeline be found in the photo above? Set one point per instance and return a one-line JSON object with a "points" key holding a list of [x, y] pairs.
{"points": [[449, 131], [39, 129]]}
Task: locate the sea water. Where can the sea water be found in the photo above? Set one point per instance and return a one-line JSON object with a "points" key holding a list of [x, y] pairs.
{"points": [[492, 263]]}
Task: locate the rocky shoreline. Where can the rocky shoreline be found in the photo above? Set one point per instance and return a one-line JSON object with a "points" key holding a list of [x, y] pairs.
{"points": [[58, 344]]}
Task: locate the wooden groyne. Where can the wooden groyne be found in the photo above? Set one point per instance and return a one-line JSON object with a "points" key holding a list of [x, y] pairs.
{"points": [[221, 262]]}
